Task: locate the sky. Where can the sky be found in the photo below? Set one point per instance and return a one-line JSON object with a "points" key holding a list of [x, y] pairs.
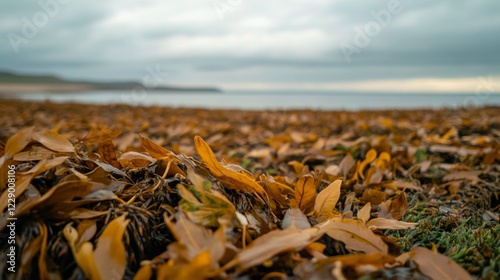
{"points": [[379, 45]]}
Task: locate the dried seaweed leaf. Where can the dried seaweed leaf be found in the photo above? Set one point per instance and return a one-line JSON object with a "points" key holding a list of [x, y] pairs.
{"points": [[437, 266], [273, 243], [364, 213], [18, 141], [354, 234], [305, 193], [110, 255], [326, 200], [381, 223], [54, 141], [232, 179]]}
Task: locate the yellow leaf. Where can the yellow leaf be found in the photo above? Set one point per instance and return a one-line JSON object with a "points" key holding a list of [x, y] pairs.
{"points": [[437, 266], [354, 234], [18, 141], [364, 213], [144, 273], [383, 160], [230, 178], [370, 156], [83, 254], [54, 141], [297, 166], [162, 155], [14, 145], [327, 199], [155, 150], [305, 192], [375, 260], [198, 268], [110, 255]]}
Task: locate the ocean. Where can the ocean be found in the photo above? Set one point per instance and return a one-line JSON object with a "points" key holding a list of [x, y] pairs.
{"points": [[254, 100]]}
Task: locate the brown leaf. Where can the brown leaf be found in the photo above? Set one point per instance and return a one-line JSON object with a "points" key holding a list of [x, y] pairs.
{"points": [[278, 191], [232, 179], [54, 141], [472, 176], [100, 133], [195, 239], [443, 149], [15, 144], [273, 243], [399, 184], [437, 266], [354, 234], [346, 165], [295, 217], [326, 200], [364, 213], [381, 223], [62, 192], [305, 192], [155, 150], [36, 153], [137, 159], [24, 179], [375, 197], [398, 207], [18, 141], [108, 152]]}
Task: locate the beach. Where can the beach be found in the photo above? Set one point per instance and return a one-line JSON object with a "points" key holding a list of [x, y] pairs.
{"points": [[402, 180]]}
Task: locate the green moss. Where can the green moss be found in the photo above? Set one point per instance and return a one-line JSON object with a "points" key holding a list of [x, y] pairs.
{"points": [[468, 240]]}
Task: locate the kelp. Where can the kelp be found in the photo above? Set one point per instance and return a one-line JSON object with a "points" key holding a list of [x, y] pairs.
{"points": [[118, 192]]}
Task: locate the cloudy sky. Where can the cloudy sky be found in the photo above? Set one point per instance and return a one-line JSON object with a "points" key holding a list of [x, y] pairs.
{"points": [[389, 45]]}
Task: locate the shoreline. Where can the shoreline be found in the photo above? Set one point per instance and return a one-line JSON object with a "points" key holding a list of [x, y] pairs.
{"points": [[14, 88]]}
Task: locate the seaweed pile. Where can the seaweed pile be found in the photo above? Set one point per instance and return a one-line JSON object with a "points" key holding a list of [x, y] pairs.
{"points": [[118, 192]]}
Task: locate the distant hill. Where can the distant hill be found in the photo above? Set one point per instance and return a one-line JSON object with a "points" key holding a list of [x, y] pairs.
{"points": [[11, 82], [11, 78]]}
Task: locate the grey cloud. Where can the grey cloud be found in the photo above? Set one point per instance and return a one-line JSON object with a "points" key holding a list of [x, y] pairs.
{"points": [[116, 39]]}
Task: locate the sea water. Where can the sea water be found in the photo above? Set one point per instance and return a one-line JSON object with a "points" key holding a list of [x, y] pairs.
{"points": [[254, 100]]}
